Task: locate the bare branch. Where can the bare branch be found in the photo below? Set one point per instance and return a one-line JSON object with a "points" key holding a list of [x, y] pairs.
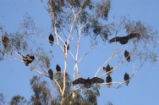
{"points": [[13, 58], [73, 22], [58, 86], [92, 47]]}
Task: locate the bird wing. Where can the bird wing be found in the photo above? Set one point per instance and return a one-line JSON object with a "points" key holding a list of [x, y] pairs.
{"points": [[51, 38], [108, 79], [126, 76], [115, 39], [127, 55], [50, 71], [24, 58], [133, 35], [30, 58], [97, 80], [79, 81], [58, 68]]}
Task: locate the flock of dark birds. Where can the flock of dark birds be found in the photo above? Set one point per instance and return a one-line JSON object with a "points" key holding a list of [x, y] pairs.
{"points": [[51, 41], [50, 71], [29, 59], [86, 82], [108, 70]]}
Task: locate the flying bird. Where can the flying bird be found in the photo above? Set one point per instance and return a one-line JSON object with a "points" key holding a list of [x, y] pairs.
{"points": [[88, 82], [28, 59], [66, 46], [97, 80], [126, 78], [5, 41], [127, 55], [50, 72], [124, 39], [108, 69], [108, 80], [51, 39], [58, 68]]}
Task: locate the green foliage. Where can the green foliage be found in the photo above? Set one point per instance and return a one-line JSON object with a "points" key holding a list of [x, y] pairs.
{"points": [[42, 95], [93, 12], [41, 92], [18, 100]]}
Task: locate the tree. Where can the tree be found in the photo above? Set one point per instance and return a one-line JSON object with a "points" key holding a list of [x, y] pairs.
{"points": [[76, 18], [42, 95]]}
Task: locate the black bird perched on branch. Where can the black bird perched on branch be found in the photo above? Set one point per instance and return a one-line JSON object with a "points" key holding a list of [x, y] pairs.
{"points": [[50, 72], [28, 59], [127, 55], [51, 39], [88, 82], [108, 80], [108, 69], [126, 78], [58, 68], [5, 41], [124, 39], [66, 45]]}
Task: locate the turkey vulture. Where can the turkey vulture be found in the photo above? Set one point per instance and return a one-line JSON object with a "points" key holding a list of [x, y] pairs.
{"points": [[66, 45], [108, 80], [126, 78], [51, 39], [127, 55], [124, 39], [28, 59], [108, 69], [88, 82], [5, 41], [58, 68], [50, 72]]}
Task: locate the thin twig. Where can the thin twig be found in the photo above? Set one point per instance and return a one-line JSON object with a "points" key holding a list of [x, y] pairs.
{"points": [[13, 58], [92, 47]]}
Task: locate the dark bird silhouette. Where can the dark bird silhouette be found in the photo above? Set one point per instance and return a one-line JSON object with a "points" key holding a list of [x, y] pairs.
{"points": [[50, 72], [58, 68], [108, 80], [66, 46], [126, 78], [88, 82], [51, 39], [124, 39], [127, 55], [108, 69], [5, 41], [28, 59]]}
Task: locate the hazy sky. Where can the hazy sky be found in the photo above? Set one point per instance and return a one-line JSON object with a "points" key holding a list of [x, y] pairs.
{"points": [[143, 88]]}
